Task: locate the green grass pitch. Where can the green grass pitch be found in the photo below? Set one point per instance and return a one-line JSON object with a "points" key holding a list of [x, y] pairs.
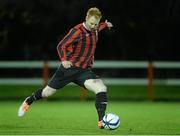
{"points": [[80, 118]]}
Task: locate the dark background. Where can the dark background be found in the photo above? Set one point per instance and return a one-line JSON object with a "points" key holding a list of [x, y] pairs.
{"points": [[143, 29]]}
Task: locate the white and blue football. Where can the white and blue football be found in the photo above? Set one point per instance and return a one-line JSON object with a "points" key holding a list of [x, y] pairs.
{"points": [[111, 121]]}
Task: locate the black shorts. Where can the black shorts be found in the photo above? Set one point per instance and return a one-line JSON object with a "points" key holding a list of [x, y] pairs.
{"points": [[64, 76]]}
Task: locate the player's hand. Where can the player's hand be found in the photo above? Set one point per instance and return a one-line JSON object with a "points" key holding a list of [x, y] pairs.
{"points": [[67, 64], [109, 24]]}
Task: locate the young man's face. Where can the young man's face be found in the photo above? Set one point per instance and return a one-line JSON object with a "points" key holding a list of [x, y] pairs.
{"points": [[92, 23]]}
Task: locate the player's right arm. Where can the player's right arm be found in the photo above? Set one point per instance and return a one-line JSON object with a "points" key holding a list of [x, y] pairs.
{"points": [[64, 48]]}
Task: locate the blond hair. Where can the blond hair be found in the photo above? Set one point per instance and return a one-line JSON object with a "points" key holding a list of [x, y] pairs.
{"points": [[94, 12]]}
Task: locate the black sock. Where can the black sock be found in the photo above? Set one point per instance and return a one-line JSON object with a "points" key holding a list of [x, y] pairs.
{"points": [[35, 96], [101, 102]]}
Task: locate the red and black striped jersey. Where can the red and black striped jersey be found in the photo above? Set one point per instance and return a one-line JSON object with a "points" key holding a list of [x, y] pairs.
{"points": [[79, 45]]}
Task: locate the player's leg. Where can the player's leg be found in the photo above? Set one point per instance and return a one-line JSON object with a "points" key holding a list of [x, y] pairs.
{"points": [[56, 82], [97, 86], [90, 81], [39, 94]]}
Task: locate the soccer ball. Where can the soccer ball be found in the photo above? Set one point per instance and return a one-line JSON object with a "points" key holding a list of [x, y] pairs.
{"points": [[111, 121]]}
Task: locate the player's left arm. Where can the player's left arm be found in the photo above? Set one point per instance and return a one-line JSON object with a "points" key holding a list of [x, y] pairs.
{"points": [[105, 24]]}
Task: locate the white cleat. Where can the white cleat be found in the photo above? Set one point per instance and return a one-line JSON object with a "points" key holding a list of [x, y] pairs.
{"points": [[23, 108]]}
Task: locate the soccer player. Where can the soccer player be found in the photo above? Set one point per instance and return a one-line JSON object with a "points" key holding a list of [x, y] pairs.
{"points": [[76, 51]]}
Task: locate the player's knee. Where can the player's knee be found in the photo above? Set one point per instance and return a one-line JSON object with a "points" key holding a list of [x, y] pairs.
{"points": [[48, 91], [95, 85], [103, 88], [100, 88]]}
